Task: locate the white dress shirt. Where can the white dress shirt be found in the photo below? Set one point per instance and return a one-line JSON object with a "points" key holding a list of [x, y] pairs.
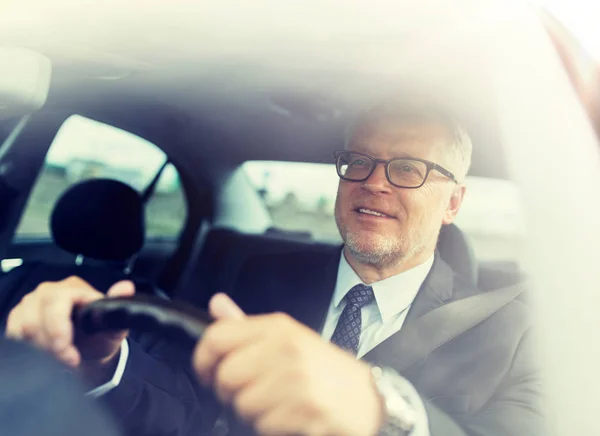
{"points": [[116, 378], [384, 316]]}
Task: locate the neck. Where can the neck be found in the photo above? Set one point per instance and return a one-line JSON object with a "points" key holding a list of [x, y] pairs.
{"points": [[369, 273]]}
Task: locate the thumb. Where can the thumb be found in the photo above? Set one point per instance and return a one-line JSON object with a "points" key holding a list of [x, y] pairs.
{"points": [[124, 288], [223, 307]]}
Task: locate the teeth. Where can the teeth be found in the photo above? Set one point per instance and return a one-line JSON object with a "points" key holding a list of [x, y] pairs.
{"points": [[371, 212]]}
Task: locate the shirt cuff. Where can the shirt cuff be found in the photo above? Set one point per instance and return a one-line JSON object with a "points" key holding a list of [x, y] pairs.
{"points": [[412, 397], [116, 378], [402, 402]]}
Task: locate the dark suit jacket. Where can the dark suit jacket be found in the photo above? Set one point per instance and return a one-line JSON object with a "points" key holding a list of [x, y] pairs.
{"points": [[485, 381]]}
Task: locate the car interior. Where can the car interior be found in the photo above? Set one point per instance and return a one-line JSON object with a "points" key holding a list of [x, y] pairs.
{"points": [[97, 226], [204, 106], [207, 129]]}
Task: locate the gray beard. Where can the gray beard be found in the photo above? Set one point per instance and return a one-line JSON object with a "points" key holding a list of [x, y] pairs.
{"points": [[385, 251], [386, 255]]}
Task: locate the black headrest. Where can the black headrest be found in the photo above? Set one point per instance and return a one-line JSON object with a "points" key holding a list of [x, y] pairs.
{"points": [[456, 250], [101, 219]]}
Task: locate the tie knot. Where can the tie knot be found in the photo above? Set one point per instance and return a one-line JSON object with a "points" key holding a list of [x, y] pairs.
{"points": [[360, 295]]}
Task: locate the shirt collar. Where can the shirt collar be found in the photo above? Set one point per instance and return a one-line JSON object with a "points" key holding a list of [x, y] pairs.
{"points": [[392, 295]]}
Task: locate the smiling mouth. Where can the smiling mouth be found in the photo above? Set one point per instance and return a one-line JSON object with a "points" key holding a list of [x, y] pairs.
{"points": [[372, 212]]}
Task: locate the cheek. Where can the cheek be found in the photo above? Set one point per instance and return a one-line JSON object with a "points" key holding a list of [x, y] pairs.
{"points": [[430, 210], [416, 205], [344, 198], [408, 203]]}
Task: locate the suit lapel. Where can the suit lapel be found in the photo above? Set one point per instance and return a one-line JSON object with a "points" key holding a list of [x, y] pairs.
{"points": [[436, 290]]}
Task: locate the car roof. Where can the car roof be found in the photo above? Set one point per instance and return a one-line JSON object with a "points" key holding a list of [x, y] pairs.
{"points": [[279, 86]]}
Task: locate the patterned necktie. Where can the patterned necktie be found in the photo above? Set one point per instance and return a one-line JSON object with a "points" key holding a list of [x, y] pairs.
{"points": [[349, 327]]}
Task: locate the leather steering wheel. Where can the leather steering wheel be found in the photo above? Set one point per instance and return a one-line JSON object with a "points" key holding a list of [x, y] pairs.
{"points": [[171, 320]]}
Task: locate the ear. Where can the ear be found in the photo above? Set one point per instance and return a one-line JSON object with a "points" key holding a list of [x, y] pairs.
{"points": [[454, 204]]}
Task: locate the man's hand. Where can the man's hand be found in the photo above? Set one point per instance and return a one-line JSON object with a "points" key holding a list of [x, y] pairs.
{"points": [[283, 378], [43, 318]]}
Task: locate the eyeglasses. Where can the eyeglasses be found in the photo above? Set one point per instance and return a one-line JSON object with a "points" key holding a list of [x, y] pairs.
{"points": [[400, 172]]}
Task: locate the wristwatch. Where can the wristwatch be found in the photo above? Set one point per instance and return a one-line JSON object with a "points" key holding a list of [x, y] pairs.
{"points": [[400, 416]]}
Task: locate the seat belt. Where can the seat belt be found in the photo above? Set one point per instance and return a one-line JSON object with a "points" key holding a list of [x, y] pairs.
{"points": [[419, 339]]}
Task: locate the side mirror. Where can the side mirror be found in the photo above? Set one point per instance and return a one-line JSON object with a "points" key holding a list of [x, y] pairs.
{"points": [[24, 81]]}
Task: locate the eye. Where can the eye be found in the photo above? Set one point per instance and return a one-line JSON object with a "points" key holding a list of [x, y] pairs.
{"points": [[358, 162], [407, 168]]}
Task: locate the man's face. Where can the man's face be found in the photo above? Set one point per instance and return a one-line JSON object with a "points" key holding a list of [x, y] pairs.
{"points": [[413, 217]]}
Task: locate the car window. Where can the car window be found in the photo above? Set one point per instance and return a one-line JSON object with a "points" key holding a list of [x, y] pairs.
{"points": [[84, 149], [300, 197]]}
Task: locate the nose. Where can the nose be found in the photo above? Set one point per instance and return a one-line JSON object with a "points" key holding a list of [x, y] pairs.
{"points": [[377, 183]]}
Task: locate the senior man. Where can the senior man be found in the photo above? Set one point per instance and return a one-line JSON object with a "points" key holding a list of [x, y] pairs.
{"points": [[333, 343]]}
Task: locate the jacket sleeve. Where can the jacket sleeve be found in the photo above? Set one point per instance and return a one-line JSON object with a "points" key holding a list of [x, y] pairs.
{"points": [[516, 409], [159, 395]]}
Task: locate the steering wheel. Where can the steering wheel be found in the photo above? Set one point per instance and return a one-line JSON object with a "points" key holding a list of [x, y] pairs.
{"points": [[171, 320]]}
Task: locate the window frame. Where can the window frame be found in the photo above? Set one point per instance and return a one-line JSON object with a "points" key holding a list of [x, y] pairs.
{"points": [[183, 192]]}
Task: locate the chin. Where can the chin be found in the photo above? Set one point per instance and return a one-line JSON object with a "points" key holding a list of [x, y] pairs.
{"points": [[375, 250]]}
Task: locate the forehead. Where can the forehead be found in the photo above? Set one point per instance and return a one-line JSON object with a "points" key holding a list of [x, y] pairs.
{"points": [[392, 138]]}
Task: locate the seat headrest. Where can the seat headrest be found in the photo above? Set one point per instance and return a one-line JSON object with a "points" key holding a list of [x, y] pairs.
{"points": [[101, 219], [456, 250]]}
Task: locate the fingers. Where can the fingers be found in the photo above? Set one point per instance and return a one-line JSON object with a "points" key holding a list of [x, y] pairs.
{"points": [[241, 368], [223, 307], [218, 340], [282, 378], [287, 419], [43, 317], [56, 324], [23, 324], [124, 288], [227, 335], [262, 395], [69, 355]]}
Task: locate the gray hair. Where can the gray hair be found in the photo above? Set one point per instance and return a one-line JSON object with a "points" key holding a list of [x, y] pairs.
{"points": [[421, 111]]}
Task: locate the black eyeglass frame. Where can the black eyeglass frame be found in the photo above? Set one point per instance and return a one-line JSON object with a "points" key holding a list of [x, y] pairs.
{"points": [[430, 166]]}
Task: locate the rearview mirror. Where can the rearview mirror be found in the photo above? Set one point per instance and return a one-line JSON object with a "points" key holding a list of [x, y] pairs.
{"points": [[24, 81]]}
